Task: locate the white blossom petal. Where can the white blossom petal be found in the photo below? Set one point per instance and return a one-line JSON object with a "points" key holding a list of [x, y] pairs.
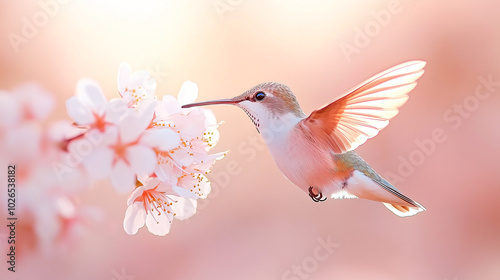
{"points": [[134, 195], [147, 108], [91, 96], [167, 107], [184, 192], [135, 217], [158, 222], [133, 124], [188, 93], [149, 182], [167, 172], [163, 139], [131, 127], [184, 208], [143, 80], [191, 125], [122, 177], [98, 162], [182, 157], [117, 109], [124, 73], [197, 184], [210, 116], [79, 112], [142, 159]]}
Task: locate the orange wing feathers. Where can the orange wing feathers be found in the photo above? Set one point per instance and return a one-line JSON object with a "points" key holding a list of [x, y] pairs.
{"points": [[360, 114]]}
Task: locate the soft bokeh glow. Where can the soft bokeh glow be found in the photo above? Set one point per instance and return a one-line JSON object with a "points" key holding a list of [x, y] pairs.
{"points": [[255, 224]]}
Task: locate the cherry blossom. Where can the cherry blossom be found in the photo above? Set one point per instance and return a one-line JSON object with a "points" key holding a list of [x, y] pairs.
{"points": [[184, 167], [89, 107], [154, 150], [135, 87], [156, 205]]}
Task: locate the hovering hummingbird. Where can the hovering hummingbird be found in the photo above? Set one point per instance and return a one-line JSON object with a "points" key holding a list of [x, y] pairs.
{"points": [[316, 152]]}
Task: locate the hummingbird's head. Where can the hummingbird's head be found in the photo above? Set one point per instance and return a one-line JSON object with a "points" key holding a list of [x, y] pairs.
{"points": [[263, 103]]}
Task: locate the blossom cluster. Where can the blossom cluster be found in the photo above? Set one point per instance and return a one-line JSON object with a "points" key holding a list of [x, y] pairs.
{"points": [[151, 149]]}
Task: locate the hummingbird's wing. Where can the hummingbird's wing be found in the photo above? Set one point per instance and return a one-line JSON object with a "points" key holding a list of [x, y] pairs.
{"points": [[360, 114]]}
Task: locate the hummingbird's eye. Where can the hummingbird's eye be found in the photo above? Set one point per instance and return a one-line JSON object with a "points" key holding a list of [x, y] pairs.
{"points": [[260, 95]]}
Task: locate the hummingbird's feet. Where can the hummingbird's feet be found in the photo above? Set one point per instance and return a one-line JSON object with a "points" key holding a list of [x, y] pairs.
{"points": [[316, 197]]}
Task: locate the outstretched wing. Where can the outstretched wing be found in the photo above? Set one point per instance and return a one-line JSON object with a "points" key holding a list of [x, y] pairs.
{"points": [[360, 114]]}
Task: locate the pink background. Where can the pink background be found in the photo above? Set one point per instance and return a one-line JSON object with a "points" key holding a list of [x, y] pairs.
{"points": [[256, 224]]}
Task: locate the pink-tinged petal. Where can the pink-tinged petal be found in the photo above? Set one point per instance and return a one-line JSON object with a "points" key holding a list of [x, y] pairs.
{"points": [[134, 195], [135, 217], [131, 127], [184, 192], [163, 139], [164, 188], [197, 184], [10, 110], [90, 94], [182, 157], [167, 172], [212, 135], [205, 187], [124, 73], [78, 112], [97, 163], [168, 106], [142, 79], [158, 222], [134, 123], [147, 107], [188, 93], [149, 182], [191, 125], [210, 116], [111, 136], [142, 159], [117, 109], [184, 208], [122, 177], [205, 162]]}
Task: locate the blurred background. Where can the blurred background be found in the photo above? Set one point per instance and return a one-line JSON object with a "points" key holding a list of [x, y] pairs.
{"points": [[256, 224]]}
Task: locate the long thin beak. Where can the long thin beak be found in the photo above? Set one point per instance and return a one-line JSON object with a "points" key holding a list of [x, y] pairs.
{"points": [[212, 102]]}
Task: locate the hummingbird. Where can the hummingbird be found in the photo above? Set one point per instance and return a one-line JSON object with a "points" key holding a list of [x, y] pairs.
{"points": [[316, 152]]}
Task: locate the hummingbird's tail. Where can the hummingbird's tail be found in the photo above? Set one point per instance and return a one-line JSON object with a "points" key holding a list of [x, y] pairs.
{"points": [[410, 208], [404, 211], [373, 187]]}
